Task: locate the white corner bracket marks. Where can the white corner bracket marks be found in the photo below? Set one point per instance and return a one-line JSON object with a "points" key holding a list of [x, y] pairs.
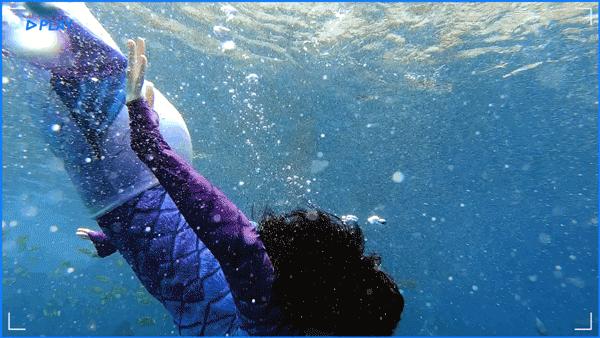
{"points": [[586, 328], [14, 328]]}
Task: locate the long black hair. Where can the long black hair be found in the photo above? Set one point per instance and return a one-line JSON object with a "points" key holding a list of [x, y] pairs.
{"points": [[324, 281]]}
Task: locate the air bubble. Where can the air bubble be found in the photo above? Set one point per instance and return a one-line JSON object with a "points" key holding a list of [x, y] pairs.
{"points": [[227, 46], [398, 177]]}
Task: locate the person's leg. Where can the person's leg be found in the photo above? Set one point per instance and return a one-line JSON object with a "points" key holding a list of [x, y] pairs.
{"points": [[173, 265], [186, 279], [89, 131]]}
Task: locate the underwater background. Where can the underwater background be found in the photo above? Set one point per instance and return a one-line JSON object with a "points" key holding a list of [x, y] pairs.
{"points": [[471, 128]]}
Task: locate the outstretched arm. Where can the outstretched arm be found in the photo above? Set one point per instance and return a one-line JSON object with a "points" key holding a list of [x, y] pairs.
{"points": [[224, 229]]}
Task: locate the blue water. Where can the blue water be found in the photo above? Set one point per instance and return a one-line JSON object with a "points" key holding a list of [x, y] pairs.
{"points": [[485, 169]]}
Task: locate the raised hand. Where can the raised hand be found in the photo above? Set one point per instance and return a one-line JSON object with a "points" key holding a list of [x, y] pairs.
{"points": [[136, 68], [143, 120]]}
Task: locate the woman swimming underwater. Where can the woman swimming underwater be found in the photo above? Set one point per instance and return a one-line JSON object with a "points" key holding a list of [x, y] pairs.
{"points": [[304, 272], [300, 272]]}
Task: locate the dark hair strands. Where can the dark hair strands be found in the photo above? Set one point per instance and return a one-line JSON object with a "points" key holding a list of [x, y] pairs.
{"points": [[324, 281]]}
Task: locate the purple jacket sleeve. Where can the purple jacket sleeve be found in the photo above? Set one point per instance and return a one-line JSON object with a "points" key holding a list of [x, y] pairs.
{"points": [[102, 243], [224, 229]]}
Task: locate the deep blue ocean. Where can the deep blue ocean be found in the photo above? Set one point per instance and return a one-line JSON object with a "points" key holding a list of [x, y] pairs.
{"points": [[471, 128]]}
